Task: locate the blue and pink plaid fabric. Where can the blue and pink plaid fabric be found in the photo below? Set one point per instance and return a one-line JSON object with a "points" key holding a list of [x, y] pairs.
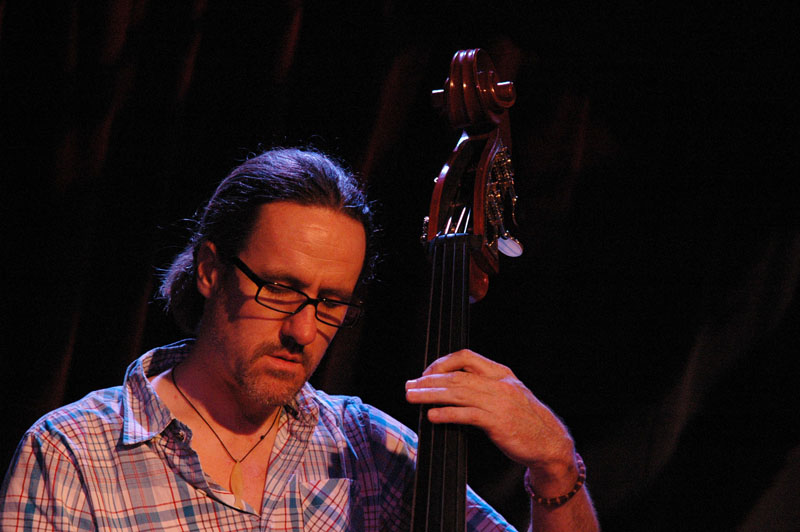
{"points": [[118, 460]]}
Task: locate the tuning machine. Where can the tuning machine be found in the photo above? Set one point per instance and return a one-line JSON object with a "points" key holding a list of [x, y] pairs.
{"points": [[501, 199]]}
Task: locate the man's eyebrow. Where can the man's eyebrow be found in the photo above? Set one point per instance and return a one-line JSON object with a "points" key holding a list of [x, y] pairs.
{"points": [[338, 295], [284, 277], [335, 293]]}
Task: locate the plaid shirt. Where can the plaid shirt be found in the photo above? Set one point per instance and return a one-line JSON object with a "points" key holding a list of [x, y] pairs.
{"points": [[118, 460]]}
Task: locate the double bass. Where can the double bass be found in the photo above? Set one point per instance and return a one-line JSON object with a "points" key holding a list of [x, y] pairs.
{"points": [[467, 228]]}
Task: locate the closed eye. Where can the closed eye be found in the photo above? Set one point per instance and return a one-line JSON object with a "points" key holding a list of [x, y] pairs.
{"points": [[332, 303], [277, 289]]}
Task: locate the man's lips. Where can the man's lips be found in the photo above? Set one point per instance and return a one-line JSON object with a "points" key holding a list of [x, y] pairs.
{"points": [[288, 357]]}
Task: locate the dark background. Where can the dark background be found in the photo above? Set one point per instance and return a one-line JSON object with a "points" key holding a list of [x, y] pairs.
{"points": [[654, 308]]}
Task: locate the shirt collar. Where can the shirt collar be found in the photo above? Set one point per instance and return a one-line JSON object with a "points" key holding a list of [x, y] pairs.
{"points": [[305, 407], [145, 415]]}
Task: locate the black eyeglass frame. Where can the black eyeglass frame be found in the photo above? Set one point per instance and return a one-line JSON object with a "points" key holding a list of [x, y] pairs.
{"points": [[352, 310]]}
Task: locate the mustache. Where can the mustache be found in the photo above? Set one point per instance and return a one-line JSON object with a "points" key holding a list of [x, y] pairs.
{"points": [[291, 345], [287, 344]]}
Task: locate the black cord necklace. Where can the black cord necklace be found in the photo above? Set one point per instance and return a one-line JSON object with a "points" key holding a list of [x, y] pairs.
{"points": [[236, 479]]}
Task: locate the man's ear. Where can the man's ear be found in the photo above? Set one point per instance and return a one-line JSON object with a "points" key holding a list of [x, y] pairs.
{"points": [[209, 269]]}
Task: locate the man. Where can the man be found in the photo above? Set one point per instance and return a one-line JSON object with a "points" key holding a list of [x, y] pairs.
{"points": [[223, 432]]}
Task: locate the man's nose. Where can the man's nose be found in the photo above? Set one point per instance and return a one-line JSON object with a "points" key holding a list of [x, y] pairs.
{"points": [[301, 326]]}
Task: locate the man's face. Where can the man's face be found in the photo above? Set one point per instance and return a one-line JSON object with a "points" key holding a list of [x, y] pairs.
{"points": [[264, 357]]}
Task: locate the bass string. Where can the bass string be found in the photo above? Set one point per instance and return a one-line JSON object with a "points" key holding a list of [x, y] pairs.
{"points": [[457, 340], [439, 265], [452, 256], [428, 339]]}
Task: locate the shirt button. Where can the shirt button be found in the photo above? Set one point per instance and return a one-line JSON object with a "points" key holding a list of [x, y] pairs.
{"points": [[181, 435]]}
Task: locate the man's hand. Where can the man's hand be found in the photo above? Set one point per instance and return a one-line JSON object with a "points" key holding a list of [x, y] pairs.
{"points": [[469, 389], [474, 390]]}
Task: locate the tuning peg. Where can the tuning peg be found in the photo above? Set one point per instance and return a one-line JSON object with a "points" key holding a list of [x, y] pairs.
{"points": [[509, 246]]}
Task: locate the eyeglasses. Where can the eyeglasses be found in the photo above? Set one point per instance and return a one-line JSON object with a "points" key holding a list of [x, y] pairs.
{"points": [[287, 300]]}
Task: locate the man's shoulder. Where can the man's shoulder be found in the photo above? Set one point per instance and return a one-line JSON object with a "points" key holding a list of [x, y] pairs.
{"points": [[104, 413], [98, 414], [352, 414], [348, 408]]}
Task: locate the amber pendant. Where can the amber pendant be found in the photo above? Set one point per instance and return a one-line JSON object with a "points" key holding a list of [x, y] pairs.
{"points": [[237, 485]]}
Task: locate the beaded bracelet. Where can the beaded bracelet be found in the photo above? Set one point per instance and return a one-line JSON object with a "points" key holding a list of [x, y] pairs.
{"points": [[555, 502]]}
